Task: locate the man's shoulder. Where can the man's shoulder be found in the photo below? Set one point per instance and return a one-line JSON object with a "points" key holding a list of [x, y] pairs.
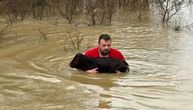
{"points": [[92, 52], [116, 54], [93, 49], [115, 50]]}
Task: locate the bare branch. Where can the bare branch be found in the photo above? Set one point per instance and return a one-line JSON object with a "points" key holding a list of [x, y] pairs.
{"points": [[3, 30], [43, 34], [61, 44], [72, 41]]}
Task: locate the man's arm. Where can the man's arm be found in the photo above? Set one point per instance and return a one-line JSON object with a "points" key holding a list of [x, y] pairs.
{"points": [[94, 71]]}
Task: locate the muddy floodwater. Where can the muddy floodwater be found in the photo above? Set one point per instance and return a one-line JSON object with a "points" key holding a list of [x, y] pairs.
{"points": [[34, 71]]}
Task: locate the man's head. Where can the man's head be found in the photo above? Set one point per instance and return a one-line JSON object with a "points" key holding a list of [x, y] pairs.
{"points": [[104, 44]]}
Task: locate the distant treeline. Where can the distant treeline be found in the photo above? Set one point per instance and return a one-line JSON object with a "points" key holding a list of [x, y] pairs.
{"points": [[96, 11], [93, 11]]}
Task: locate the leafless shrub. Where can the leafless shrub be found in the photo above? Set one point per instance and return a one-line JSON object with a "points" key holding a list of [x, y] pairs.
{"points": [[170, 9], [136, 8], [61, 41], [18, 10], [98, 11], [37, 8], [139, 7], [43, 34], [178, 26], [2, 31], [108, 9], [15, 9], [171, 13], [68, 9], [75, 39], [72, 39], [91, 8]]}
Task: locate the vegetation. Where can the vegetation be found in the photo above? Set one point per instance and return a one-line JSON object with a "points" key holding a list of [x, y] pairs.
{"points": [[91, 12], [171, 11], [95, 11], [2, 31]]}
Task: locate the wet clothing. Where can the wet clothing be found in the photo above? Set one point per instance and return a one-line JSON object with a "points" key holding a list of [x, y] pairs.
{"points": [[94, 53]]}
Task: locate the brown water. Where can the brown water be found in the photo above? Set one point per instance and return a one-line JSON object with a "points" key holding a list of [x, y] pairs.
{"points": [[34, 73]]}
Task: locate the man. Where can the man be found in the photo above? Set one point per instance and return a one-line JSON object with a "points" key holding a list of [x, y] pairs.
{"points": [[103, 50]]}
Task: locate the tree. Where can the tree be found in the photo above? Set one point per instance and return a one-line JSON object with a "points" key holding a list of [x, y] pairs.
{"points": [[169, 9]]}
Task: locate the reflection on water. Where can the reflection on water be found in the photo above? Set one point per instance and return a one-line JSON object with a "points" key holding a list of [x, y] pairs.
{"points": [[35, 74]]}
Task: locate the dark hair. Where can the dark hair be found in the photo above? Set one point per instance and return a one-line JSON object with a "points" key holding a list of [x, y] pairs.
{"points": [[105, 37]]}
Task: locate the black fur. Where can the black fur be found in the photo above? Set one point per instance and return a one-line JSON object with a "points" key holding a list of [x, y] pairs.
{"points": [[104, 65]]}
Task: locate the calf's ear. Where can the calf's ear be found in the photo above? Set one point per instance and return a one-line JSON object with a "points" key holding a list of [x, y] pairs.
{"points": [[125, 62]]}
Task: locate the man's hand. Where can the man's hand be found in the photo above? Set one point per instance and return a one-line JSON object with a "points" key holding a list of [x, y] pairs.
{"points": [[92, 71]]}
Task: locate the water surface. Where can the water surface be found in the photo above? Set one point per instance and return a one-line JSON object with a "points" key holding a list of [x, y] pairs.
{"points": [[34, 72]]}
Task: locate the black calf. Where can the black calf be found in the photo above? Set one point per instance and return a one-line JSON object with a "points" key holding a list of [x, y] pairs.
{"points": [[104, 65]]}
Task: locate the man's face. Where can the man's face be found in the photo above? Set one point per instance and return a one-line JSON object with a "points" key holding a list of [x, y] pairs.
{"points": [[104, 46]]}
